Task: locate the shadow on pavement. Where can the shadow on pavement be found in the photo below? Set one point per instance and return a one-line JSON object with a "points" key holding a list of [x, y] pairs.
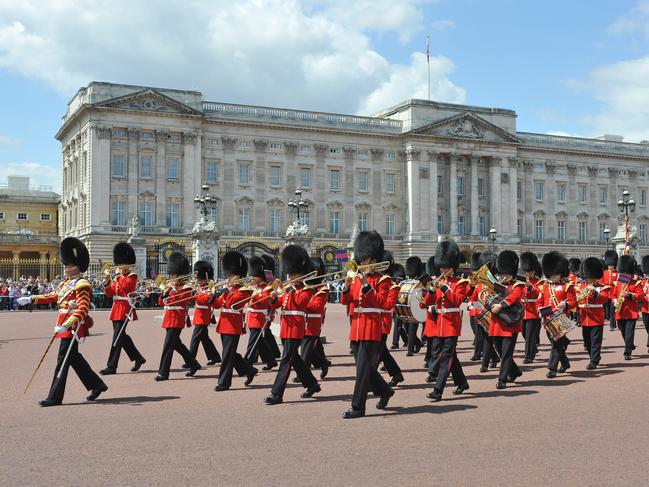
{"points": [[428, 408], [131, 401]]}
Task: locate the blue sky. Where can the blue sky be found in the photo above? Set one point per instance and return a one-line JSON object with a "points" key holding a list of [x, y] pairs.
{"points": [[572, 67]]}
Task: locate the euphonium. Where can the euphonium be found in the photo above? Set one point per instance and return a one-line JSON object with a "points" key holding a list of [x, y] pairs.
{"points": [[493, 293]]}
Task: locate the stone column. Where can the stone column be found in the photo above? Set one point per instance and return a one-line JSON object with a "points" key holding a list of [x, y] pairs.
{"points": [[452, 182], [320, 189], [260, 218], [190, 176], [132, 175], [431, 209], [495, 195], [513, 200], [475, 211], [230, 179], [100, 163], [160, 175], [413, 191]]}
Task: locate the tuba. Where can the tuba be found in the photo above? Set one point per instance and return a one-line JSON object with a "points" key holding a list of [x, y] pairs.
{"points": [[493, 293]]}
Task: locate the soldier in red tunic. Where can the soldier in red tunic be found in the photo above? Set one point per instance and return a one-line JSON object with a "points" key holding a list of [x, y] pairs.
{"points": [[531, 323], [293, 305], [230, 325], [645, 294], [175, 299], [476, 327], [414, 268], [369, 295], [391, 365], [203, 314], [122, 310], [445, 330], [260, 270], [591, 307], [627, 294], [73, 299], [610, 274], [559, 293]]}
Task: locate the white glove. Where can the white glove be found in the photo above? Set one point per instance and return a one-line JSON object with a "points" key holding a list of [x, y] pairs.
{"points": [[60, 329], [24, 300]]}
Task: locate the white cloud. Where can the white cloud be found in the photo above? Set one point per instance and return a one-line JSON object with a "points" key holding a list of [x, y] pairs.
{"points": [[39, 174], [442, 25], [634, 21], [311, 55], [7, 141]]}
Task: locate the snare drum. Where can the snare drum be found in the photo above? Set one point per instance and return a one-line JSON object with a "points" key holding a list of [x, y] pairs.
{"points": [[407, 307]]}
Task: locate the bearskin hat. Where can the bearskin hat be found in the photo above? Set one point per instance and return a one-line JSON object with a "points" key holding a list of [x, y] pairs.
{"points": [[626, 264], [592, 268], [645, 264], [74, 252], [123, 254], [413, 267], [296, 260], [447, 254], [388, 257], [398, 272], [431, 268], [554, 263], [487, 258], [507, 263], [529, 262], [573, 265], [256, 267], [638, 270], [317, 264], [368, 245], [610, 258], [204, 269], [475, 261], [234, 264], [177, 264], [269, 263]]}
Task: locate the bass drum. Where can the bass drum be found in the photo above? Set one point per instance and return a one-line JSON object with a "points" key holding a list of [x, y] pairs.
{"points": [[407, 307]]}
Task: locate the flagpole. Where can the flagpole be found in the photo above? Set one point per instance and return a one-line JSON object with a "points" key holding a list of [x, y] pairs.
{"points": [[428, 62]]}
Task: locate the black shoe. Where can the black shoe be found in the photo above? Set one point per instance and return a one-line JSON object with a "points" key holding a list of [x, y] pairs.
{"points": [[435, 395], [627, 356], [425, 365], [108, 371], [484, 369], [409, 354], [269, 366], [185, 366], [137, 365], [352, 413], [528, 361], [551, 374], [494, 365], [385, 398], [475, 358], [430, 378], [250, 377], [273, 399], [193, 370], [220, 388], [632, 347], [159, 378], [460, 389], [394, 347], [591, 366], [311, 391], [563, 369], [513, 379], [501, 385], [49, 402], [396, 380], [417, 348], [296, 380], [95, 393], [324, 372], [213, 362]]}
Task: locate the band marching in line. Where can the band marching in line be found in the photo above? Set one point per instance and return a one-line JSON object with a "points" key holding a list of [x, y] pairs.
{"points": [[505, 295]]}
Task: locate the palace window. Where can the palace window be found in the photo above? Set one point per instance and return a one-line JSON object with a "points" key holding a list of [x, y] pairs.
{"points": [[275, 224], [244, 173], [483, 226], [334, 179], [390, 155], [145, 212], [305, 177], [305, 218], [460, 186], [275, 176], [244, 144], [519, 190], [334, 150], [172, 168], [45, 217], [244, 218], [119, 170], [481, 187], [362, 222], [212, 172], [118, 215], [602, 227], [538, 190], [120, 133], [440, 224], [643, 233], [440, 186], [334, 221], [561, 193], [305, 149], [212, 141], [145, 166], [583, 233], [173, 215], [460, 225], [275, 146], [362, 180], [146, 135], [519, 228], [2, 215], [391, 224], [213, 214], [561, 230], [583, 193], [603, 194], [643, 197], [22, 217], [362, 153], [389, 182], [539, 229]]}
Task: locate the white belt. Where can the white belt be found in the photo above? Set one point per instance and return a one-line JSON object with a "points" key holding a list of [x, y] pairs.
{"points": [[174, 308], [201, 306], [65, 311], [591, 305], [292, 313], [369, 310], [120, 298], [529, 300], [314, 316], [447, 310], [253, 310], [231, 311]]}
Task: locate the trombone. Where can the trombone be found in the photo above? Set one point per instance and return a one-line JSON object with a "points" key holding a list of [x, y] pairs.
{"points": [[352, 269], [278, 286]]}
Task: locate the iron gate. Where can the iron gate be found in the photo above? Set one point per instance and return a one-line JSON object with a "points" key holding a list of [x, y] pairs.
{"points": [[249, 248], [157, 256]]}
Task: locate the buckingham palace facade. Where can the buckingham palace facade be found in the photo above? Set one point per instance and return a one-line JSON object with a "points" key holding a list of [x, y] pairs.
{"points": [[414, 172]]}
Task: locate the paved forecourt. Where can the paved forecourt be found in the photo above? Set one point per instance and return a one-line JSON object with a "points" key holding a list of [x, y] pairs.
{"points": [[582, 427]]}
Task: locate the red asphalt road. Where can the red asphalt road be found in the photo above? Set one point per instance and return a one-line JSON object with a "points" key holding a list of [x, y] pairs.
{"points": [[584, 427]]}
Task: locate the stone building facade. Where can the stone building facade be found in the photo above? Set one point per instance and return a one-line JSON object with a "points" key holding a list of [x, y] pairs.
{"points": [[415, 172]]}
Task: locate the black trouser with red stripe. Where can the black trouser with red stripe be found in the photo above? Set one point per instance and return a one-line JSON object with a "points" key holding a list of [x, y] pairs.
{"points": [[414, 343], [627, 328], [312, 352], [200, 336], [386, 357], [291, 359], [124, 341], [88, 376], [531, 329], [595, 335], [445, 355], [505, 347], [399, 331], [558, 353], [479, 332], [231, 359], [366, 353], [645, 320], [258, 347], [172, 343]]}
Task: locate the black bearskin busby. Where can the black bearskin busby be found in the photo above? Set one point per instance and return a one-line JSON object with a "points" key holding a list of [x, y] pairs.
{"points": [[475, 261], [447, 254], [269, 263], [204, 270], [387, 257], [74, 252], [507, 263], [626, 264], [573, 265], [638, 270], [256, 267], [413, 267], [487, 258], [398, 272], [529, 262], [234, 264], [610, 258], [431, 268], [592, 268], [645, 264], [123, 254], [554, 263], [296, 260], [368, 245], [177, 264]]}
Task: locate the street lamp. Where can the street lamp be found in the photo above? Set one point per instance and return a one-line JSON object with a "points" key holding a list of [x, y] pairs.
{"points": [[607, 235], [297, 205], [492, 234], [204, 201], [626, 205]]}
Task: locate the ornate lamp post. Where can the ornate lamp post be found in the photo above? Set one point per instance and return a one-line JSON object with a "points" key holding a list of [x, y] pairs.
{"points": [[205, 235], [298, 232], [204, 202], [492, 236], [297, 205], [607, 236], [626, 205]]}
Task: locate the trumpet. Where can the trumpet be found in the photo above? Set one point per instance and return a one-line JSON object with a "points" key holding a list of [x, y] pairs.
{"points": [[585, 293], [356, 269], [349, 271], [163, 282], [278, 286], [437, 281], [107, 270]]}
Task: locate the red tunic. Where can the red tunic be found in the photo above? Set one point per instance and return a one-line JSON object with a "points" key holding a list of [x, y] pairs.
{"points": [[387, 314], [367, 323], [119, 290], [447, 305], [609, 278], [496, 327], [530, 298], [231, 318], [259, 308], [73, 298], [202, 307], [293, 305], [315, 312], [645, 295], [591, 309], [175, 307], [629, 309], [562, 291]]}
